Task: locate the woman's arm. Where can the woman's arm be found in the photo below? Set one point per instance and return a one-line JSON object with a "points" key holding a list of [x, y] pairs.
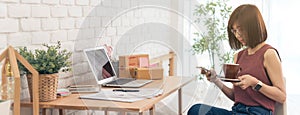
{"points": [[272, 63], [226, 90], [212, 77]]}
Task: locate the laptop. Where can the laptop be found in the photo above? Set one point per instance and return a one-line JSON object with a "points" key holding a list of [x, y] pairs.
{"points": [[104, 72]]}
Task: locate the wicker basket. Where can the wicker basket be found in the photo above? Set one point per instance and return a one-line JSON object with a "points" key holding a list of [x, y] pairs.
{"points": [[47, 86]]}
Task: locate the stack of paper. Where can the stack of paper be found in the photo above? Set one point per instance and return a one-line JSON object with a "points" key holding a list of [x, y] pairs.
{"points": [[83, 88], [111, 95]]}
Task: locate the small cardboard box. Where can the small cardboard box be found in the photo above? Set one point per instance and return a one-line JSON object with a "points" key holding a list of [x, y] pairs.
{"points": [[147, 73], [136, 61]]}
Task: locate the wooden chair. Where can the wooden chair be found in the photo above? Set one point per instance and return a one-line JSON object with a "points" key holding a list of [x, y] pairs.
{"points": [[281, 108], [160, 59]]}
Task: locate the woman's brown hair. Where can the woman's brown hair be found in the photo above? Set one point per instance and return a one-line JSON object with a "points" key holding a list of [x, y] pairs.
{"points": [[253, 29]]}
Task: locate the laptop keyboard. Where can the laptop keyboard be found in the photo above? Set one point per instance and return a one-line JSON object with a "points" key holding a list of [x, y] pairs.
{"points": [[120, 81]]}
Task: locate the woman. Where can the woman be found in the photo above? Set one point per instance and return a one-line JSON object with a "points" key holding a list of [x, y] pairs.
{"points": [[261, 78]]}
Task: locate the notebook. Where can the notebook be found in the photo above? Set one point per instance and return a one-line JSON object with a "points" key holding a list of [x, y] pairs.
{"points": [[104, 72]]}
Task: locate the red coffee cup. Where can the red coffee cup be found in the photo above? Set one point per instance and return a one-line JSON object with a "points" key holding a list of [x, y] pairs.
{"points": [[231, 70]]}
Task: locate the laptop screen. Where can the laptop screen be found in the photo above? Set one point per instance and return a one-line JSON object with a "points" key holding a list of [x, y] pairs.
{"points": [[100, 64]]}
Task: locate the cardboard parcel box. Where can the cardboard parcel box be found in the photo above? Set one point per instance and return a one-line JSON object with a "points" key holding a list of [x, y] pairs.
{"points": [[147, 73], [132, 61]]}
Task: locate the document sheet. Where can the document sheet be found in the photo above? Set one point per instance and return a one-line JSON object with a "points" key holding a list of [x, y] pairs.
{"points": [[124, 96]]}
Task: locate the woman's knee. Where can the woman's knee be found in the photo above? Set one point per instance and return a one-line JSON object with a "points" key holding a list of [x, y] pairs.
{"points": [[194, 110]]}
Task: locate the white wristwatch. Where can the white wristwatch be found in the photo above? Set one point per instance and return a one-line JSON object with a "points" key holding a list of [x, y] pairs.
{"points": [[257, 86]]}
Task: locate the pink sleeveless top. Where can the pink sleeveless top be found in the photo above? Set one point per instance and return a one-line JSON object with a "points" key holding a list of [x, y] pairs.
{"points": [[253, 65]]}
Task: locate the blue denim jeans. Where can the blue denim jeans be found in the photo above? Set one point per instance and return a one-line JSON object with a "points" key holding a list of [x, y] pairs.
{"points": [[238, 109]]}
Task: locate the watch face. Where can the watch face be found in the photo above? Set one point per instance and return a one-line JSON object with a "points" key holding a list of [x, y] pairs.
{"points": [[257, 87]]}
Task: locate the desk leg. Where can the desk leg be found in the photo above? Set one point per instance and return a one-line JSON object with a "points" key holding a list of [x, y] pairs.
{"points": [[122, 113], [152, 110], [61, 112], [141, 113], [44, 111], [105, 112], [179, 102]]}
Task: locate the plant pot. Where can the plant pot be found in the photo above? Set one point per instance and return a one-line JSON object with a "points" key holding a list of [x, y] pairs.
{"points": [[47, 86]]}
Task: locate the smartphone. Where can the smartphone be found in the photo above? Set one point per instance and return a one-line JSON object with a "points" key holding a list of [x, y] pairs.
{"points": [[203, 70]]}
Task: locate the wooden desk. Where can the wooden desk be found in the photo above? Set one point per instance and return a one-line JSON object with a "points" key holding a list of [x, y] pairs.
{"points": [[169, 84]]}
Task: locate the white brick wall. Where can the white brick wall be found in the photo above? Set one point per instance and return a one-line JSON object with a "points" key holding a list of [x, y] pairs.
{"points": [[81, 68], [125, 3], [117, 22], [18, 11], [50, 1], [82, 2], [3, 42], [116, 3], [67, 2], [60, 35], [72, 34], [86, 33], [121, 30], [30, 1], [78, 57], [126, 21], [3, 10], [82, 23], [67, 23], [89, 11], [30, 24], [110, 31], [40, 37], [9, 25], [19, 39], [95, 2], [40, 11], [10, 1], [95, 22], [75, 11], [59, 12], [50, 24]]}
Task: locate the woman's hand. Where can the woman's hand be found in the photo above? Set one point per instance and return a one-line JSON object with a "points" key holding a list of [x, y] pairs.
{"points": [[211, 75], [246, 81]]}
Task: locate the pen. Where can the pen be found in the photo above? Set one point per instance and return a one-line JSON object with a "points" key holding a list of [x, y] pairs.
{"points": [[126, 90]]}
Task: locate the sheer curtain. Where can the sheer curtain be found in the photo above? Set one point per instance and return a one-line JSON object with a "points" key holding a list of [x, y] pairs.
{"points": [[283, 22], [283, 29]]}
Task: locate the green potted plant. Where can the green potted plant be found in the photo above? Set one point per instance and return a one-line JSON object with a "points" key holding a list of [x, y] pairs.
{"points": [[48, 62], [213, 17]]}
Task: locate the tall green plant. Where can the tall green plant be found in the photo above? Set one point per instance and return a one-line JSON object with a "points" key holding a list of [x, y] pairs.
{"points": [[213, 16]]}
